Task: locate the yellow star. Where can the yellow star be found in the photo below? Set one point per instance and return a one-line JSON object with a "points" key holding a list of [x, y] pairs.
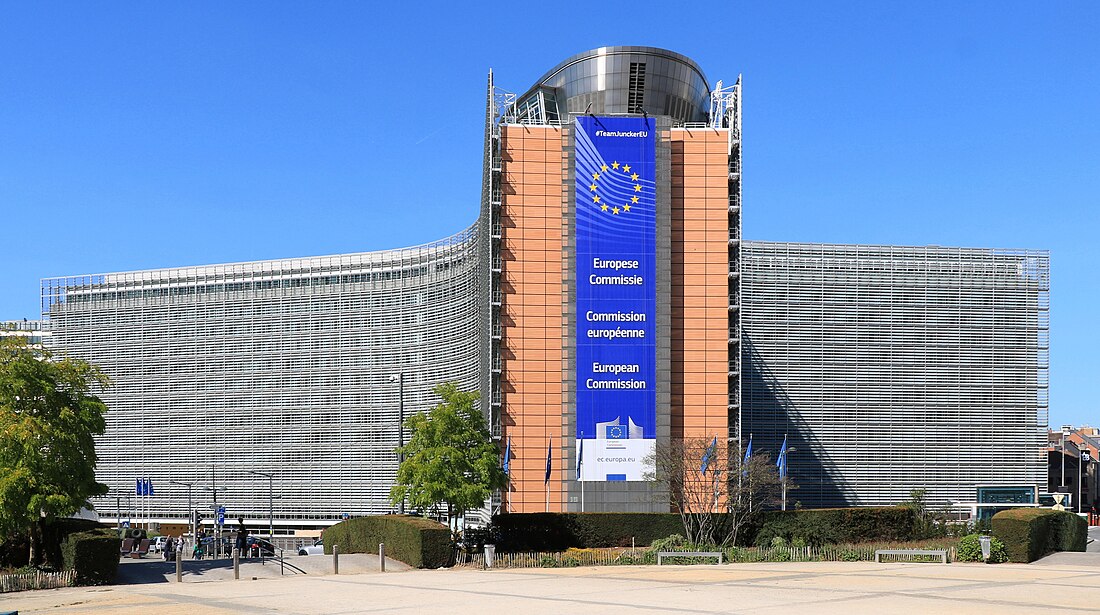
{"points": [[603, 207], [634, 200], [596, 199], [615, 210], [626, 207], [637, 188], [634, 177], [592, 187], [626, 168], [604, 168], [595, 176], [615, 165]]}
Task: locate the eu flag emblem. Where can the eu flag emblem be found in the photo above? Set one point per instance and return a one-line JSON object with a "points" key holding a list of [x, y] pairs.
{"points": [[616, 432]]}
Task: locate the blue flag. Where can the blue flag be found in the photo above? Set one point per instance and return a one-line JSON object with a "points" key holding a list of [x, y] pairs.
{"points": [[781, 462], [507, 456], [137, 486], [580, 454], [148, 487], [708, 455], [549, 444], [745, 461]]}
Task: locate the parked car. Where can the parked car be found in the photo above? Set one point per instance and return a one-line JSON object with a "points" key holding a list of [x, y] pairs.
{"points": [[317, 548], [258, 547], [157, 544]]}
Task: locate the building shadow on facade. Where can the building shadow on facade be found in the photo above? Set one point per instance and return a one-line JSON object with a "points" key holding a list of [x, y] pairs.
{"points": [[767, 414]]}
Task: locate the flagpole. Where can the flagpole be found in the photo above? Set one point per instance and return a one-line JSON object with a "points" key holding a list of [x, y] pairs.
{"points": [[580, 460], [783, 483]]}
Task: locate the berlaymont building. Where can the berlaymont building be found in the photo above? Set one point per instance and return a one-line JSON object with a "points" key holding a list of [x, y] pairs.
{"points": [[603, 297]]}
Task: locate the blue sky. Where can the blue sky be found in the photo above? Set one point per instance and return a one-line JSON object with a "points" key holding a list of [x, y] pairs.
{"points": [[138, 135]]}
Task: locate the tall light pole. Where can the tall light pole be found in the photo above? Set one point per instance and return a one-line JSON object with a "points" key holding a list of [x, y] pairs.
{"points": [[270, 505], [399, 378], [190, 511], [214, 489], [1065, 435]]}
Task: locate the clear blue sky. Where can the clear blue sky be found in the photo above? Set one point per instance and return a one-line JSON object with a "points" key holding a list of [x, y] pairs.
{"points": [[146, 135]]}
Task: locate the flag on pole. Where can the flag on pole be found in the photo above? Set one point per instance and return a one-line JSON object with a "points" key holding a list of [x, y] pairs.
{"points": [[549, 443], [781, 462], [745, 461], [580, 454], [137, 486], [708, 455], [148, 487], [507, 456]]}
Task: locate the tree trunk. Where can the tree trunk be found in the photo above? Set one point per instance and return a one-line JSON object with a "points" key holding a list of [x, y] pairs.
{"points": [[36, 544]]}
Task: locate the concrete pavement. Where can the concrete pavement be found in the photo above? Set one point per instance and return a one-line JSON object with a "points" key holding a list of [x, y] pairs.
{"points": [[818, 588]]}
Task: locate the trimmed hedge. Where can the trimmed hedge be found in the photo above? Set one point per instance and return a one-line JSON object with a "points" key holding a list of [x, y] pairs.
{"points": [[560, 531], [1031, 533], [16, 547], [419, 542], [830, 526], [93, 555]]}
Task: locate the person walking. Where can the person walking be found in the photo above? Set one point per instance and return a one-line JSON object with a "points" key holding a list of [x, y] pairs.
{"points": [[242, 537]]}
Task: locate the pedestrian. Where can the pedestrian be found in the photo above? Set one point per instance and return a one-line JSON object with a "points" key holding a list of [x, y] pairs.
{"points": [[242, 536]]}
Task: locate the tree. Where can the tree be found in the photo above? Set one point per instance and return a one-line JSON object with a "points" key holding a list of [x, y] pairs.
{"points": [[450, 460], [714, 506], [49, 416]]}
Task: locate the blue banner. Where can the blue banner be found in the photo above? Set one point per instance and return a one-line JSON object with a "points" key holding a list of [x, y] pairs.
{"points": [[616, 295]]}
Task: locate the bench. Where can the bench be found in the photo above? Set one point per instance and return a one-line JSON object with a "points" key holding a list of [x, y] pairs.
{"points": [[662, 554], [940, 553]]}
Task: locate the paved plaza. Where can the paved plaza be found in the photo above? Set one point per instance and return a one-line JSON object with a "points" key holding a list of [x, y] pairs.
{"points": [[1070, 583]]}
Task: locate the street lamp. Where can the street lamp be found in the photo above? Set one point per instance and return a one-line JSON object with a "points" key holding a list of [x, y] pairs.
{"points": [[217, 526], [190, 511], [399, 378], [270, 505]]}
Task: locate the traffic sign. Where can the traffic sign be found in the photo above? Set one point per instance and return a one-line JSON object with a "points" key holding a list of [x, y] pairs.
{"points": [[1086, 456], [221, 515]]}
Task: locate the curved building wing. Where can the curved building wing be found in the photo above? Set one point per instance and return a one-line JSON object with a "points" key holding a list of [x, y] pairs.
{"points": [[282, 367]]}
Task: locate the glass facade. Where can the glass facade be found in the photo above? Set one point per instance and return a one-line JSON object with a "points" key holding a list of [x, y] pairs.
{"points": [[282, 367], [895, 368]]}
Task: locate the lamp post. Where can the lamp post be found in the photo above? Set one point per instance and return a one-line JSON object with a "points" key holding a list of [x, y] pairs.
{"points": [[1065, 435], [1080, 476], [270, 505], [214, 489], [190, 511], [399, 378]]}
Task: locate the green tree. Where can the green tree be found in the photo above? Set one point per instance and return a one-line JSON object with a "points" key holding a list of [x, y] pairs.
{"points": [[49, 416], [450, 460]]}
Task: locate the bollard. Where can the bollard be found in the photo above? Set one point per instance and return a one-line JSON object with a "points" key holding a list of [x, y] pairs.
{"points": [[179, 567], [335, 559], [382, 556], [236, 563]]}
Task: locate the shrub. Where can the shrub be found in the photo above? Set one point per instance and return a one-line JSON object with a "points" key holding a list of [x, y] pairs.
{"points": [[93, 555], [560, 531], [1030, 533], [806, 527], [669, 543], [850, 555], [419, 542], [970, 550], [816, 527], [548, 562]]}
